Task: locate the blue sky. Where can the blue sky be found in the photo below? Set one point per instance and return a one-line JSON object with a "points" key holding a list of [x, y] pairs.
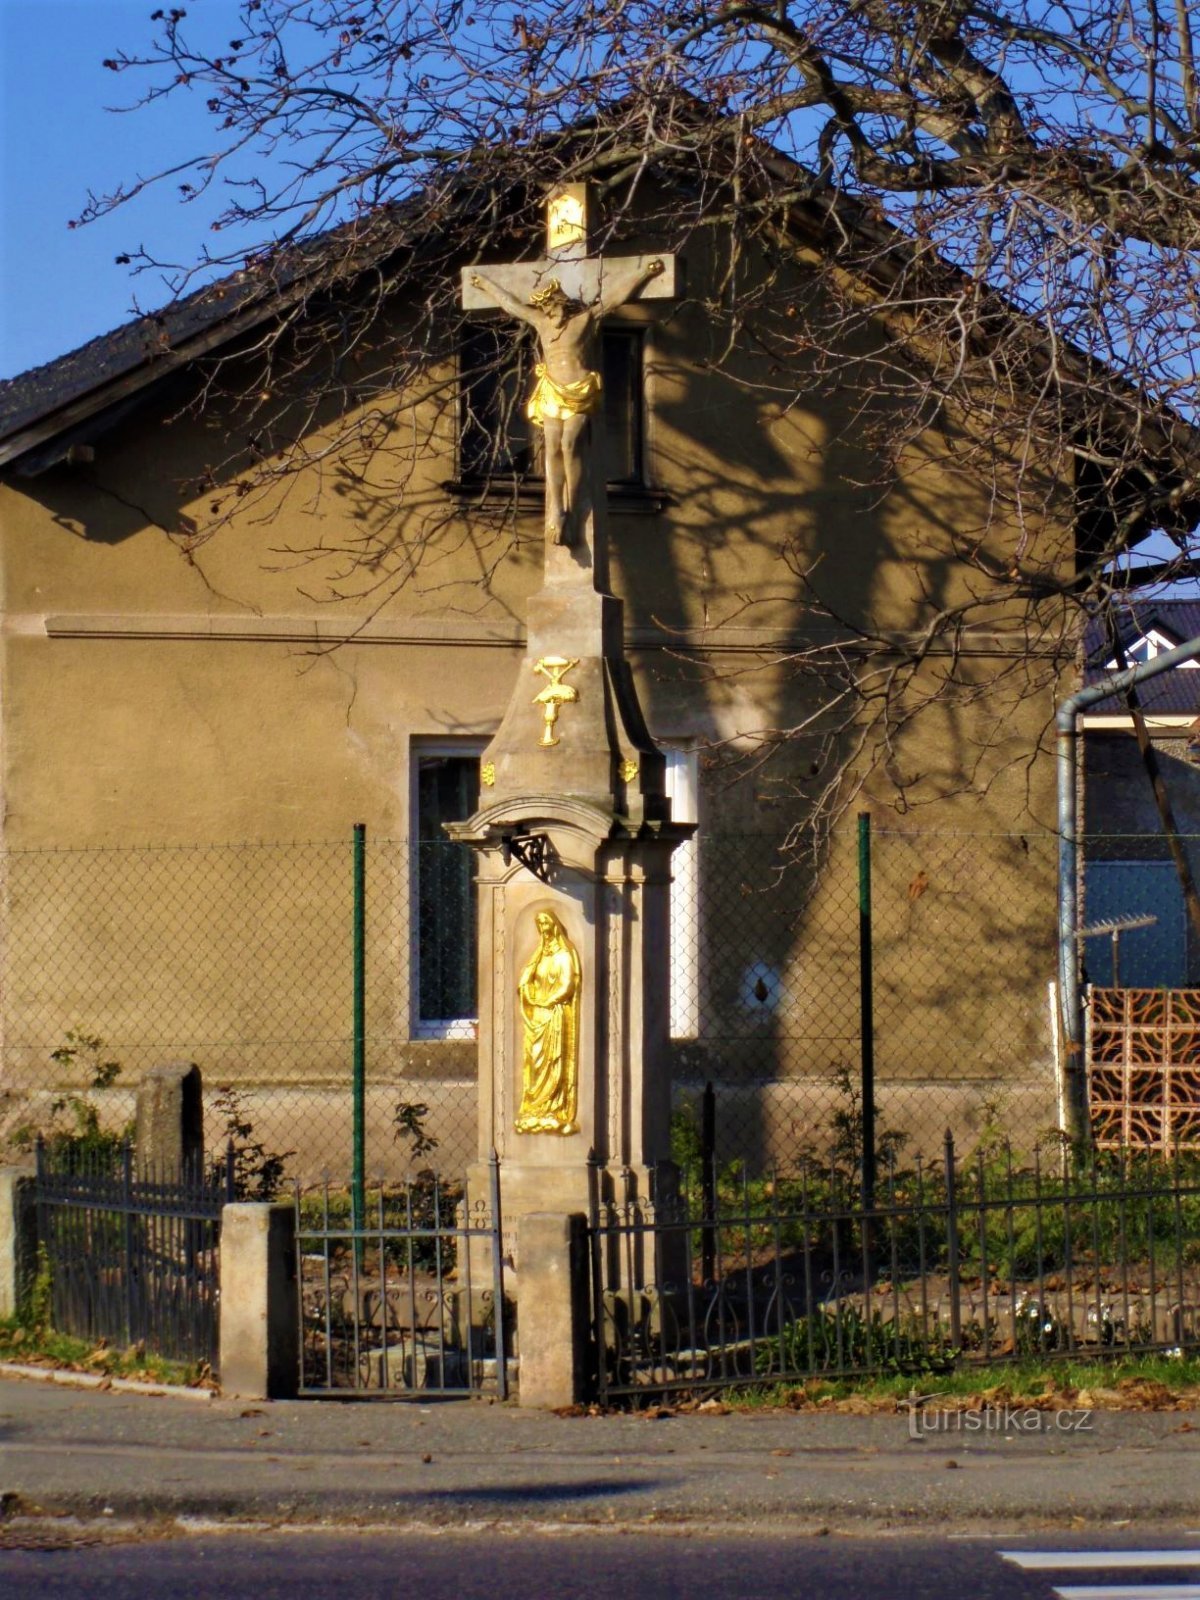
{"points": [[60, 287]]}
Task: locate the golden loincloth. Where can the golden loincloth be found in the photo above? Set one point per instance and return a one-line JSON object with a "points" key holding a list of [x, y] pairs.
{"points": [[552, 401]]}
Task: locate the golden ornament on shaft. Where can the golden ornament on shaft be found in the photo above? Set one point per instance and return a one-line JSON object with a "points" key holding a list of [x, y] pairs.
{"points": [[555, 694]]}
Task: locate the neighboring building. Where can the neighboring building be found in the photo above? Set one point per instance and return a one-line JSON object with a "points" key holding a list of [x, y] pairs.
{"points": [[1128, 866], [158, 692]]}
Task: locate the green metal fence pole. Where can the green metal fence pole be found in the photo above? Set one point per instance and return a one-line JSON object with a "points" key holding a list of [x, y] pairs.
{"points": [[866, 1009], [360, 1026], [708, 1182]]}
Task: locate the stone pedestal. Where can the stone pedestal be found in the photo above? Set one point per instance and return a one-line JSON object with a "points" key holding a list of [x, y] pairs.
{"points": [[553, 1367], [574, 820], [607, 885]]}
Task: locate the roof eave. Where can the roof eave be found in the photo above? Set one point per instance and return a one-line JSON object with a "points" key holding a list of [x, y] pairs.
{"points": [[83, 408]]}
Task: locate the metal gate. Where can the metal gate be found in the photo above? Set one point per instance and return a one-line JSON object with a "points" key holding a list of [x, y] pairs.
{"points": [[131, 1256], [402, 1288]]}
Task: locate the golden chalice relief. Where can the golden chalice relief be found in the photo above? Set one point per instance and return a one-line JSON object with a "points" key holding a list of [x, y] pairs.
{"points": [[555, 695], [548, 991]]}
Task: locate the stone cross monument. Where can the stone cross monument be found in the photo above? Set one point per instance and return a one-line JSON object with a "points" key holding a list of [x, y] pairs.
{"points": [[573, 833]]}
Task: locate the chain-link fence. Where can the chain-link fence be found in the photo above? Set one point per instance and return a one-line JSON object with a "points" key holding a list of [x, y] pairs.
{"points": [[961, 931], [240, 958]]}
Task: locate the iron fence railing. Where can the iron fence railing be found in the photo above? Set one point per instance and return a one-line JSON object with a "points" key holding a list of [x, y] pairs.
{"points": [[131, 1255], [736, 1283], [402, 1288]]}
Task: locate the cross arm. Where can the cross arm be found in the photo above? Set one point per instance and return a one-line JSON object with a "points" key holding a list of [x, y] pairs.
{"points": [[587, 279], [497, 293], [624, 286]]}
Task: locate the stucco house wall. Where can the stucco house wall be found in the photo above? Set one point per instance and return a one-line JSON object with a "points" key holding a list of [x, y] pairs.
{"points": [[248, 691]]}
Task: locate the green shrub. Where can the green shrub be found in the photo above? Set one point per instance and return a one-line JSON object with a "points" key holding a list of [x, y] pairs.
{"points": [[845, 1340], [258, 1173], [74, 1132]]}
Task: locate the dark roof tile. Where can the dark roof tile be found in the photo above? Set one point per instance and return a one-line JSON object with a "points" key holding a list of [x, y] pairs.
{"points": [[1174, 693], [43, 390], [337, 255]]}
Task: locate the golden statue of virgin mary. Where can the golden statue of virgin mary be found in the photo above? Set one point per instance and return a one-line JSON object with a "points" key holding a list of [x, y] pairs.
{"points": [[549, 994]]}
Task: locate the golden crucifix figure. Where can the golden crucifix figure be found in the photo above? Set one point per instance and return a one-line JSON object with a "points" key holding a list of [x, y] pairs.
{"points": [[564, 297], [548, 990], [569, 385]]}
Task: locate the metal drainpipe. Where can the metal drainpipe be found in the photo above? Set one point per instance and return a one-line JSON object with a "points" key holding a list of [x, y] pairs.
{"points": [[1068, 852]]}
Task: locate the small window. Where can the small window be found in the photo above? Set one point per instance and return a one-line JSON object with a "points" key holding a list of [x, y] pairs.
{"points": [[444, 899], [496, 439]]}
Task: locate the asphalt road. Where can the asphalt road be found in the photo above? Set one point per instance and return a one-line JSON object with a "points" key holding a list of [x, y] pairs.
{"points": [[129, 1458], [537, 1565]]}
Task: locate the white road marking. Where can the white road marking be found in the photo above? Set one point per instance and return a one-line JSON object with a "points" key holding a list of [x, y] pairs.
{"points": [[1074, 1560], [1002, 1533], [1136, 1591]]}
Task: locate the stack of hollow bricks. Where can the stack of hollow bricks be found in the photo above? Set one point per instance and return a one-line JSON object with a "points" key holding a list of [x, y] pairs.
{"points": [[1144, 1068]]}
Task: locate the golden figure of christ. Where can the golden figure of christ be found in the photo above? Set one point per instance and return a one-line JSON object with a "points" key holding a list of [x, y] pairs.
{"points": [[548, 991], [564, 299]]}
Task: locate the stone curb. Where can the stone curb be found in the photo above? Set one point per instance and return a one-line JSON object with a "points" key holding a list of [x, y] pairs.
{"points": [[95, 1380], [323, 1509]]}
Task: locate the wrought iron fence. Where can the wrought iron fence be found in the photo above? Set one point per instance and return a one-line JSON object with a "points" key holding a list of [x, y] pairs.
{"points": [[737, 1283], [132, 1255], [403, 1292]]}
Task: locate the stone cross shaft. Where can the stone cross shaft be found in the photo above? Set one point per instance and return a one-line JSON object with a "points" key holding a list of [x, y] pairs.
{"points": [[573, 832], [564, 297]]}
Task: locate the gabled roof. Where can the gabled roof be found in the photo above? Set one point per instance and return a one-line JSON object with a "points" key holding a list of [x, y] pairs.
{"points": [[146, 342], [1174, 693], [42, 410]]}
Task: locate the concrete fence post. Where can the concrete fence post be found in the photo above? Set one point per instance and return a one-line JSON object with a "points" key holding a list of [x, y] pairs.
{"points": [[260, 1310], [169, 1131], [552, 1308], [18, 1239]]}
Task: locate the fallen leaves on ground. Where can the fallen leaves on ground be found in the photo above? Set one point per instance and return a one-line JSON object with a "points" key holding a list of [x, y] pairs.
{"points": [[1127, 1394]]}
